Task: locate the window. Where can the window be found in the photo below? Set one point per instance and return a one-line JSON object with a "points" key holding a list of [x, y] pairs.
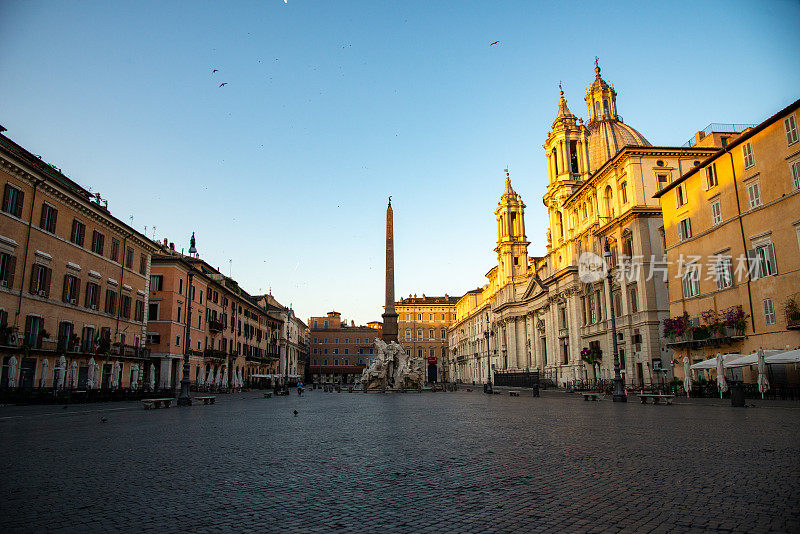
{"points": [[443, 317], [724, 273], [747, 154], [138, 313], [152, 311], [156, 282], [143, 266], [40, 280], [180, 289], [111, 301], [430, 317], [97, 242], [680, 195], [795, 168], [78, 232], [592, 310], [662, 180], [33, 331], [716, 213], [125, 306], [49, 216], [691, 282], [634, 299], [419, 317], [114, 249], [92, 295], [430, 334], [711, 176], [177, 341], [790, 125], [769, 311], [444, 333], [71, 289], [623, 192], [754, 195], [129, 258], [408, 333], [684, 229], [336, 351], [419, 334], [12, 200], [762, 261], [618, 304], [8, 265]]}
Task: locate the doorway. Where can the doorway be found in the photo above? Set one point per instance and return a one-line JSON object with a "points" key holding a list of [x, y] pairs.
{"points": [[432, 373]]}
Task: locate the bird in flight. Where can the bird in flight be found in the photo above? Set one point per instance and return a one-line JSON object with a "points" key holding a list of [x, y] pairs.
{"points": [[214, 70], [223, 83], [494, 43]]}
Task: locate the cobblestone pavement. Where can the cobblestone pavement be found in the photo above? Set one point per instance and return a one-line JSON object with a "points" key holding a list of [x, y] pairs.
{"points": [[456, 462]]}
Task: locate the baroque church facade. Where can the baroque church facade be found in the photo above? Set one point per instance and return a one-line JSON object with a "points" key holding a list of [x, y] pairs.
{"points": [[536, 313]]}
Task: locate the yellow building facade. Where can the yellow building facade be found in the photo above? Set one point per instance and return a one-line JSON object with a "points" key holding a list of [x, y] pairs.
{"points": [[732, 229], [539, 313]]}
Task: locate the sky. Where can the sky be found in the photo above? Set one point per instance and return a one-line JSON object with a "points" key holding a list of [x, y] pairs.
{"points": [[329, 107]]}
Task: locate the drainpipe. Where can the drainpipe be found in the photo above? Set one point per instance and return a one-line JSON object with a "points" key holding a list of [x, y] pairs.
{"points": [[744, 242], [121, 278], [25, 255]]}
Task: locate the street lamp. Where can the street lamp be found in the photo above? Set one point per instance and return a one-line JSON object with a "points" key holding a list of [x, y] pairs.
{"points": [[619, 387], [184, 399], [488, 387]]}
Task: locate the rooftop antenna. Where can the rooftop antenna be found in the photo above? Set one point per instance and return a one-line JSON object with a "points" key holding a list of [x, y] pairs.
{"points": [[230, 268], [154, 233]]}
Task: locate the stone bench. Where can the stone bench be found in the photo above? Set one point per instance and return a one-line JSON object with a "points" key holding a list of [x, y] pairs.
{"points": [[156, 403], [268, 395], [590, 396], [206, 400], [656, 398], [513, 393]]}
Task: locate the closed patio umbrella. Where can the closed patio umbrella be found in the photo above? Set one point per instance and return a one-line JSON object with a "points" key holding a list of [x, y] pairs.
{"points": [[687, 376], [721, 383], [12, 372], [152, 377], [62, 372], [225, 378], [239, 381], [200, 379], [763, 382], [90, 378], [42, 380], [115, 375], [210, 377], [134, 376], [73, 374]]}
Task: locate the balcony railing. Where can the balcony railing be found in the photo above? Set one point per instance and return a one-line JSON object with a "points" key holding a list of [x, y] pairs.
{"points": [[215, 325]]}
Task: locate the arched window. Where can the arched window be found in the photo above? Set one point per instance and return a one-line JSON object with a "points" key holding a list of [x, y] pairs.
{"points": [[596, 110], [606, 112], [609, 198]]}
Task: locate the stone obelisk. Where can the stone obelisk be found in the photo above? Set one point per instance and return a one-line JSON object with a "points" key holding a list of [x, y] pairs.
{"points": [[389, 315]]}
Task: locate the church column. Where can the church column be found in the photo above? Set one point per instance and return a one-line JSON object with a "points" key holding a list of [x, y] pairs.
{"points": [[511, 343]]}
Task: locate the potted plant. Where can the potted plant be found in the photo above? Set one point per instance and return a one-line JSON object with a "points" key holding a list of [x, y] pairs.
{"points": [[5, 334], [792, 310], [736, 320], [675, 327]]}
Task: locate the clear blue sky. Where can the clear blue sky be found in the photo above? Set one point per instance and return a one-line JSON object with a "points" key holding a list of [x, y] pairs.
{"points": [[331, 106]]}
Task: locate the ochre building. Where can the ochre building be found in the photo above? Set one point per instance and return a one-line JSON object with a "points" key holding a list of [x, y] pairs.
{"points": [[339, 353], [422, 330], [732, 229]]}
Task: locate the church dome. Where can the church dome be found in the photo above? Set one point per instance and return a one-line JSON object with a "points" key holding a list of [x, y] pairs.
{"points": [[607, 137], [607, 133]]}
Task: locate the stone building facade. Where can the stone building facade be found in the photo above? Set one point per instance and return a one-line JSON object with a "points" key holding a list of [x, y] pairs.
{"points": [[422, 330], [732, 230], [228, 329], [339, 353], [537, 313], [73, 281]]}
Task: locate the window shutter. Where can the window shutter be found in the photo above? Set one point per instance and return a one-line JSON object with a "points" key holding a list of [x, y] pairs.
{"points": [[77, 289], [86, 302], [53, 221], [66, 286], [688, 227], [707, 181], [34, 278], [752, 264], [6, 197], [28, 326], [20, 200], [12, 264], [42, 219], [48, 273], [773, 265]]}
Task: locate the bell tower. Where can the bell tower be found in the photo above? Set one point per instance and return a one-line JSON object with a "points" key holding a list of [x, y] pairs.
{"points": [[567, 151], [601, 99], [512, 245]]}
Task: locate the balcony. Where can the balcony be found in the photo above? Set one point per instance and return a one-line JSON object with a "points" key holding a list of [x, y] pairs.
{"points": [[215, 325]]}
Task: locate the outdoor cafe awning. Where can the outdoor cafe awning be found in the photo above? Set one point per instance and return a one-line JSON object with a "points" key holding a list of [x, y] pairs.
{"points": [[743, 360]]}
